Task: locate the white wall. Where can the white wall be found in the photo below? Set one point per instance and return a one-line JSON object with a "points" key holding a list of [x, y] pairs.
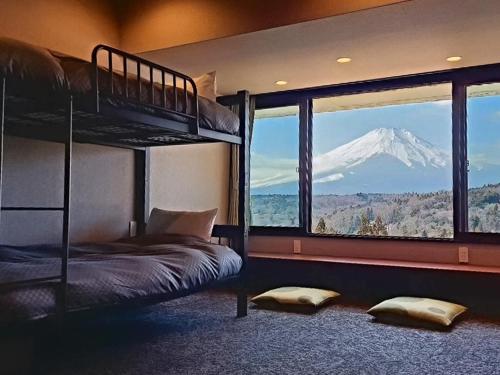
{"points": [[191, 177], [102, 192], [102, 177]]}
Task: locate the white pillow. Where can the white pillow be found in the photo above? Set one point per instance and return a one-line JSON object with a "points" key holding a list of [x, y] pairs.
{"points": [[207, 85], [186, 223]]}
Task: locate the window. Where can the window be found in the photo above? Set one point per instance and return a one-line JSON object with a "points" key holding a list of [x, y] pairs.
{"points": [[483, 150], [405, 157], [274, 155], [382, 163]]}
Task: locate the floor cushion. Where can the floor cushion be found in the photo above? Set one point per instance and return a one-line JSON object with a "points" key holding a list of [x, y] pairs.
{"points": [[295, 298], [417, 311]]}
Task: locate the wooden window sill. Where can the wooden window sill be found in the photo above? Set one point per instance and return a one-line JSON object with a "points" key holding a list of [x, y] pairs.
{"points": [[377, 262]]}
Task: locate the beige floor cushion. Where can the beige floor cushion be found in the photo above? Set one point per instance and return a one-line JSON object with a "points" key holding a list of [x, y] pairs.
{"points": [[418, 311], [294, 298]]}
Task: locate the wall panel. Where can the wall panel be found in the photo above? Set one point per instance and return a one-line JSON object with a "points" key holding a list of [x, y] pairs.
{"points": [[191, 178], [102, 192], [102, 177]]}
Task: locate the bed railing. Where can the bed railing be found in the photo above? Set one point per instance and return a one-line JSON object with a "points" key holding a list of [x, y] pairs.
{"points": [[233, 233], [179, 84]]}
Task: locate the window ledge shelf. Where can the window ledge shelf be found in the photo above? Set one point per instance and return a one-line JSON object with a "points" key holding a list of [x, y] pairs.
{"points": [[377, 262]]}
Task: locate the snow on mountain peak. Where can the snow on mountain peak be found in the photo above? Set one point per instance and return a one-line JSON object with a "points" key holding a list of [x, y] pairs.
{"points": [[337, 164], [398, 143]]}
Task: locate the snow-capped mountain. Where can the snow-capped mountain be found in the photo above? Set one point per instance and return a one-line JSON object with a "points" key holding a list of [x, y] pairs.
{"points": [[400, 144], [384, 159]]}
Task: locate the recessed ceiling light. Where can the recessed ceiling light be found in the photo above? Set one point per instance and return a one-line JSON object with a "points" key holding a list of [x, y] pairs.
{"points": [[280, 83], [454, 58], [344, 60]]}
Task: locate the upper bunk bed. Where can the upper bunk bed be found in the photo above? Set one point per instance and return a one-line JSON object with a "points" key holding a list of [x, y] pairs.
{"points": [[117, 99]]}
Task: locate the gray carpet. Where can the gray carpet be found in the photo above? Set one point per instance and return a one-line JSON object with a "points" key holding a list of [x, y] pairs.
{"points": [[200, 335]]}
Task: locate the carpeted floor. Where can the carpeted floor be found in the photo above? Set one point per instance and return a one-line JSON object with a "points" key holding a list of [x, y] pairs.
{"points": [[200, 335]]}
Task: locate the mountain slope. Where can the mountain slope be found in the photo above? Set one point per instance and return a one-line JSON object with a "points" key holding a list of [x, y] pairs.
{"points": [[398, 143]]}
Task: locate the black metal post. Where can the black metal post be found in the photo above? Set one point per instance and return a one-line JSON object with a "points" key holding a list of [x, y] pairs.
{"points": [[305, 164], [110, 67], [95, 80], [195, 126], [68, 150], [460, 178], [2, 130], [141, 188], [244, 196]]}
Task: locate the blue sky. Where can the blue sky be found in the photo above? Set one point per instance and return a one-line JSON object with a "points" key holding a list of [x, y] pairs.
{"points": [[430, 121], [277, 138], [483, 133]]}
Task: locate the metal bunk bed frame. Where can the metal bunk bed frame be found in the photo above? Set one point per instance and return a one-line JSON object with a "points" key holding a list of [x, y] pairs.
{"points": [[130, 126]]}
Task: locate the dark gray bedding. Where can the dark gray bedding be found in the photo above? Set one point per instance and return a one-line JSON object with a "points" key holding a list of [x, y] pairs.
{"points": [[110, 273], [36, 72], [79, 75]]}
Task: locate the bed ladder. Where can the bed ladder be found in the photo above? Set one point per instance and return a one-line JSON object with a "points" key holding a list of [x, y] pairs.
{"points": [[67, 139]]}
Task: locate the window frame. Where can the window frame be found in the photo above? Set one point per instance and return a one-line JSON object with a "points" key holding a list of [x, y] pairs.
{"points": [[459, 78], [285, 230], [464, 235]]}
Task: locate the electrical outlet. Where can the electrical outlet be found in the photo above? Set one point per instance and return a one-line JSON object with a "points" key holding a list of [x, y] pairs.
{"points": [[132, 228], [297, 246], [463, 254]]}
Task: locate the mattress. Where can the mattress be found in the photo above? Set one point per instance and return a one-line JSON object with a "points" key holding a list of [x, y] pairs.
{"points": [[79, 75], [36, 72], [108, 274]]}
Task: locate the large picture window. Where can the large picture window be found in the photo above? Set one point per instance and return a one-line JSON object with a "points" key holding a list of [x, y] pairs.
{"points": [[483, 149], [382, 164], [413, 157], [274, 186]]}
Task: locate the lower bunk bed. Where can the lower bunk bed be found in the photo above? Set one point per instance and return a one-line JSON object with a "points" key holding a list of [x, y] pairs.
{"points": [[143, 270]]}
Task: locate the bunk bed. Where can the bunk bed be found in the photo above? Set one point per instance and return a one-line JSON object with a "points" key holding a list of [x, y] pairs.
{"points": [[137, 105]]}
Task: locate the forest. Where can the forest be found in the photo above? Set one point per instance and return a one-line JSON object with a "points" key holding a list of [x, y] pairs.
{"points": [[409, 215]]}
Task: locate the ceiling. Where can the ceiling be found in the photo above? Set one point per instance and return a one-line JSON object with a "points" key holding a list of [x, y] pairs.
{"points": [[154, 24], [405, 38]]}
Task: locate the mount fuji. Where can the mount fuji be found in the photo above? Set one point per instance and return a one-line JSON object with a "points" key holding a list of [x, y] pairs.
{"points": [[398, 143], [388, 160]]}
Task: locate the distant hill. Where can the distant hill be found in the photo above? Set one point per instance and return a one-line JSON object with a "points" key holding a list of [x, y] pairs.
{"points": [[274, 210], [409, 214]]}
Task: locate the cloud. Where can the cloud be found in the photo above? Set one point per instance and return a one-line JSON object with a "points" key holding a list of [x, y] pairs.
{"points": [[442, 103], [330, 178], [268, 171], [482, 160]]}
